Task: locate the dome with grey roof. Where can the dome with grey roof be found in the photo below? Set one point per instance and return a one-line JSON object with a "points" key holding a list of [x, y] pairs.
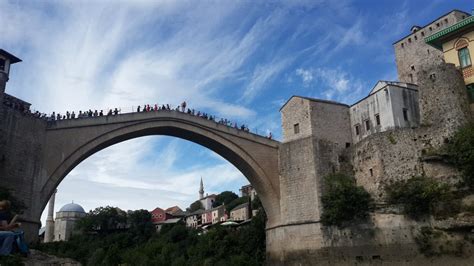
{"points": [[72, 207]]}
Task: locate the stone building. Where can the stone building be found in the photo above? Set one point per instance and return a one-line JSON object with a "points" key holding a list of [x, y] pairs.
{"points": [[389, 105], [248, 191], [241, 212], [66, 219], [206, 217], [411, 51], [219, 214], [194, 219], [457, 44]]}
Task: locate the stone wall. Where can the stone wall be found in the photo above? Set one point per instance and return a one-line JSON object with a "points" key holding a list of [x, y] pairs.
{"points": [[296, 113], [411, 52], [444, 103], [21, 139]]}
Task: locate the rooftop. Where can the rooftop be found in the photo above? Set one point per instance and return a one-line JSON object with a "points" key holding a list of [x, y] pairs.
{"points": [[314, 100], [436, 40], [13, 59], [72, 207], [454, 10]]}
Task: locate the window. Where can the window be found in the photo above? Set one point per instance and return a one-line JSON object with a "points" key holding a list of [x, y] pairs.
{"points": [[431, 29], [2, 64], [377, 119], [405, 114], [464, 57], [416, 38], [412, 67], [357, 129], [409, 39], [445, 20], [423, 34], [411, 77], [371, 172], [296, 128], [437, 24], [367, 125], [403, 45]]}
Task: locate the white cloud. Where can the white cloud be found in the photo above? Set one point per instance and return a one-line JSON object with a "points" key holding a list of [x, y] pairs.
{"points": [[333, 84]]}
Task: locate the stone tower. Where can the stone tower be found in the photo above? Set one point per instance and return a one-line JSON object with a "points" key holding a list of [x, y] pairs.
{"points": [[201, 190], [6, 60], [49, 232]]}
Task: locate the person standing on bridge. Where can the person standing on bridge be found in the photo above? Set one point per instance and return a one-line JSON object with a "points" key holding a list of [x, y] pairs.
{"points": [[156, 108], [183, 106], [138, 109]]}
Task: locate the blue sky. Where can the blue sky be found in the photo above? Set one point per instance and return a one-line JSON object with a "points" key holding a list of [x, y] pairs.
{"points": [[236, 59]]}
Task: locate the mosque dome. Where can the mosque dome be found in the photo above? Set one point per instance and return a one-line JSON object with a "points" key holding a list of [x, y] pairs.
{"points": [[72, 207]]}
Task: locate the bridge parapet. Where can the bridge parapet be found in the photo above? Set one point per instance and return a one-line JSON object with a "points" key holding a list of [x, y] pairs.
{"points": [[163, 115]]}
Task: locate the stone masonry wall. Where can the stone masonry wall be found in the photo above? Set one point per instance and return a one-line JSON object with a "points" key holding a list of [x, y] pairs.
{"points": [[412, 52], [296, 111], [21, 159]]}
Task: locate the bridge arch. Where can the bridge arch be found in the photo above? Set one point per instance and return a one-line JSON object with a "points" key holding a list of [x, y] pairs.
{"points": [[69, 142]]}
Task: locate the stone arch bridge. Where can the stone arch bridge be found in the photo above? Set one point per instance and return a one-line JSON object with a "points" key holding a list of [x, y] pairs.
{"points": [[68, 142]]}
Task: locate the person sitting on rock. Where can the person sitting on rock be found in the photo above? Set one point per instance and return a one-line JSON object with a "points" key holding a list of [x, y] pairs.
{"points": [[7, 236]]}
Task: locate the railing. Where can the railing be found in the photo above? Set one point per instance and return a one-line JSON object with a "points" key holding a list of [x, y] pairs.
{"points": [[52, 118]]}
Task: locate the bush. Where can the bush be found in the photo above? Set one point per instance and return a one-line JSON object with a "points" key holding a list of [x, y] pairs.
{"points": [[419, 195], [343, 201], [460, 150]]}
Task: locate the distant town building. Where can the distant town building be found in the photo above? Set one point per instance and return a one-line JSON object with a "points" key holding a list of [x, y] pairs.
{"points": [[171, 215], [240, 212], [66, 219], [206, 217], [175, 211], [457, 44], [219, 214], [194, 219], [248, 191]]}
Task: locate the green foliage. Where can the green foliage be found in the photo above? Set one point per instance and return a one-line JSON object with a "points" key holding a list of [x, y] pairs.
{"points": [[17, 206], [433, 242], [425, 240], [392, 139], [343, 201], [197, 205], [103, 219], [174, 245], [11, 260], [460, 150], [236, 202], [419, 195], [256, 203], [225, 197]]}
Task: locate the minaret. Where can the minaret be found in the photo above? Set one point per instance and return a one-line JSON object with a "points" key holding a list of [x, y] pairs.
{"points": [[201, 190], [49, 232]]}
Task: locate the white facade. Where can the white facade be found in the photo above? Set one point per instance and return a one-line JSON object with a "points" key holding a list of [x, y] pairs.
{"points": [[66, 219], [389, 105], [208, 201]]}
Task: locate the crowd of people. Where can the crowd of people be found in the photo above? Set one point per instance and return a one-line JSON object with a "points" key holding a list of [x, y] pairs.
{"points": [[145, 108]]}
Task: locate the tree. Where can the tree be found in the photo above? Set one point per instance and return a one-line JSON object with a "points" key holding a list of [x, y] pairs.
{"points": [[197, 205], [461, 153], [140, 223], [236, 202], [418, 195], [343, 201], [103, 219], [225, 197]]}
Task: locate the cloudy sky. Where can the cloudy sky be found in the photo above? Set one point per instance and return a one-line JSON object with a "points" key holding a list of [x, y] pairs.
{"points": [[236, 59]]}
